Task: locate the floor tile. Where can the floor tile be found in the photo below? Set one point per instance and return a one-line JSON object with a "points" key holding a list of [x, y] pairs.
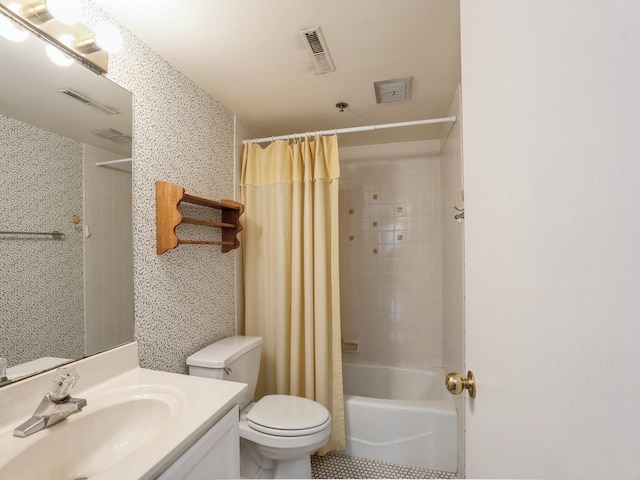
{"points": [[334, 465]]}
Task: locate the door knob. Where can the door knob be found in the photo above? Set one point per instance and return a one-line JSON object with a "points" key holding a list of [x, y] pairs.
{"points": [[456, 384]]}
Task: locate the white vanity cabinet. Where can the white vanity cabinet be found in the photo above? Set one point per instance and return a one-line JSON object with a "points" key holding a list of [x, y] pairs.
{"points": [[215, 455]]}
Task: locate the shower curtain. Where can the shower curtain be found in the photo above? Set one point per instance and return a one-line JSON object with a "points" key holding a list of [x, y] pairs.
{"points": [[291, 277]]}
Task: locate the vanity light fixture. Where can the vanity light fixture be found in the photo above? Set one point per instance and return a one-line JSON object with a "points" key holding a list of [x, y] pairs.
{"points": [[65, 11], [37, 12], [9, 29], [48, 19], [106, 37], [57, 55]]}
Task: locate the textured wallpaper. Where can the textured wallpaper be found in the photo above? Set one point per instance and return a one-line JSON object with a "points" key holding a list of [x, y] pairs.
{"points": [[184, 299], [42, 312]]}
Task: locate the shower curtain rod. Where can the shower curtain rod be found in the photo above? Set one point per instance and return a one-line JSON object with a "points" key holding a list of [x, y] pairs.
{"points": [[352, 129]]}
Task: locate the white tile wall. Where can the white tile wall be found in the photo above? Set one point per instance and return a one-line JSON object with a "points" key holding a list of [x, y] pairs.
{"points": [[108, 252], [390, 253]]}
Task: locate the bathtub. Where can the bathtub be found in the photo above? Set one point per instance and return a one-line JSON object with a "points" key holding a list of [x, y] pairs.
{"points": [[400, 416]]}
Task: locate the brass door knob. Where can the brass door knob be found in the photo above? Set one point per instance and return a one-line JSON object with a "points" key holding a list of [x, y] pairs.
{"points": [[456, 384]]}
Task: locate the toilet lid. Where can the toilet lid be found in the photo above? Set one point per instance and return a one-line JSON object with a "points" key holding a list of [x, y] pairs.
{"points": [[288, 416]]}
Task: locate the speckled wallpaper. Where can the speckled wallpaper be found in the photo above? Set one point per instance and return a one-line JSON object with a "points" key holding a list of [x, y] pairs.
{"points": [[184, 299], [41, 278]]}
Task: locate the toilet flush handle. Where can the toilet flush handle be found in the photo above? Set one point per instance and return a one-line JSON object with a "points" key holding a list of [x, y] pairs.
{"points": [[227, 370], [456, 384]]}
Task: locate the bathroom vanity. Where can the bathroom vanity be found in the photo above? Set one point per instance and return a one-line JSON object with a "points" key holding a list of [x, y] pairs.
{"points": [[137, 423]]}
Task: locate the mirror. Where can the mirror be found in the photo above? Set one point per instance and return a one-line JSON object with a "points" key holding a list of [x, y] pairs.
{"points": [[62, 296]]}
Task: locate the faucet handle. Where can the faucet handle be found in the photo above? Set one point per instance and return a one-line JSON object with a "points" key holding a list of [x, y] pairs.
{"points": [[63, 382]]}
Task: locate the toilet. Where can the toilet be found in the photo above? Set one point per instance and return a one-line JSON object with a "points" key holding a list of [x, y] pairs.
{"points": [[278, 433]]}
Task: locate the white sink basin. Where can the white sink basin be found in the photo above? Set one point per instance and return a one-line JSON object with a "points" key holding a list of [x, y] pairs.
{"points": [[136, 424], [90, 442], [105, 433]]}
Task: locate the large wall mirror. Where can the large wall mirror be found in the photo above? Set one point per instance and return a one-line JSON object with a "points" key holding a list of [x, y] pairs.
{"points": [[66, 256]]}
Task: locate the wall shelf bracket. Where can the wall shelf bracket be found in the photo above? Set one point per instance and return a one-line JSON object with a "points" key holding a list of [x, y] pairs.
{"points": [[168, 217]]}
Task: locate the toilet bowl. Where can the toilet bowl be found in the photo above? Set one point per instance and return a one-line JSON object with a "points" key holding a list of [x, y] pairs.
{"points": [[278, 433]]}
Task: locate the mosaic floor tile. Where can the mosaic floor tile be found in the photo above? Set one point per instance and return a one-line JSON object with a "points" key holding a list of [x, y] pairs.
{"points": [[334, 465]]}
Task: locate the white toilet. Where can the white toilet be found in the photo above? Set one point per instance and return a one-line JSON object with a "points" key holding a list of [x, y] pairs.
{"points": [[279, 432]]}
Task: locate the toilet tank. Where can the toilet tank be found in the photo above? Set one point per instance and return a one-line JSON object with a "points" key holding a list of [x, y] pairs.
{"points": [[236, 359]]}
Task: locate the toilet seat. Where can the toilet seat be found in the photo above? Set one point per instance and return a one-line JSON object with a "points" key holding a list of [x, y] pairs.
{"points": [[288, 416]]}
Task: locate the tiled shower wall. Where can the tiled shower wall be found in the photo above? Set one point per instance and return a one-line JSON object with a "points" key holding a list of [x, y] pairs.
{"points": [[390, 254], [107, 251]]}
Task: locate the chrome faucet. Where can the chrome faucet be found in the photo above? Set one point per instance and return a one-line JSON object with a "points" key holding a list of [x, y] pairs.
{"points": [[55, 406]]}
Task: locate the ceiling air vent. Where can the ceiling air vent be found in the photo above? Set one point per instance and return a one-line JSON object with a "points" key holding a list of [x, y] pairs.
{"points": [[113, 135], [396, 90], [317, 48], [88, 101]]}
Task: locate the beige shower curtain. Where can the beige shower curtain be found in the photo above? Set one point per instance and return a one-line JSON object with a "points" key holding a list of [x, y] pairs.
{"points": [[291, 277]]}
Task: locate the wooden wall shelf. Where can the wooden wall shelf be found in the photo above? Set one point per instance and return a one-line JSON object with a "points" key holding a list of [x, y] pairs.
{"points": [[168, 217]]}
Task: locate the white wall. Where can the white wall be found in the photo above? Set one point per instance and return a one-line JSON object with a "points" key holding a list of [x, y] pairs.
{"points": [[390, 253], [241, 132], [453, 259], [551, 94]]}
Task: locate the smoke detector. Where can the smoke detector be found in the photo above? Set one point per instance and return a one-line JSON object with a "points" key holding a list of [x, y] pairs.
{"points": [[396, 90], [317, 47]]}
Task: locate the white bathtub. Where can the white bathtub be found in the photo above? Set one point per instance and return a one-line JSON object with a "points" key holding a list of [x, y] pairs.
{"points": [[400, 416]]}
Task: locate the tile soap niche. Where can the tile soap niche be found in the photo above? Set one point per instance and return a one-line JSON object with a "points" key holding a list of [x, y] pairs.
{"points": [[169, 217]]}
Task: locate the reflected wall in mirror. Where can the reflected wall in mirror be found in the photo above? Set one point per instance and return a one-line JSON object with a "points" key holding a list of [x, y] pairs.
{"points": [[64, 296]]}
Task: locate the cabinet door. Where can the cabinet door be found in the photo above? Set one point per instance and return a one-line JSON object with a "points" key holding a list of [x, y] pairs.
{"points": [[215, 455]]}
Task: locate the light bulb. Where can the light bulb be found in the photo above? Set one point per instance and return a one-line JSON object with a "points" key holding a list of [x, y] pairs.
{"points": [[10, 30], [65, 11], [108, 37], [56, 55]]}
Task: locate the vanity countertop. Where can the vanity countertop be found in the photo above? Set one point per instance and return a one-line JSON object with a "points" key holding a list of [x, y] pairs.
{"points": [[168, 411]]}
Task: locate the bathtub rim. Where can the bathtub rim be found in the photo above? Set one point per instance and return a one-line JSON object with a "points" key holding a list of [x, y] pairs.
{"points": [[444, 397]]}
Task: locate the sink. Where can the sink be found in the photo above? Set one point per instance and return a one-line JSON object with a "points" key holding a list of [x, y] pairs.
{"points": [[91, 442], [136, 425]]}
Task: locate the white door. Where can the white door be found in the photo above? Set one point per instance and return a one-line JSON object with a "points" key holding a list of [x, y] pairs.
{"points": [[551, 141]]}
